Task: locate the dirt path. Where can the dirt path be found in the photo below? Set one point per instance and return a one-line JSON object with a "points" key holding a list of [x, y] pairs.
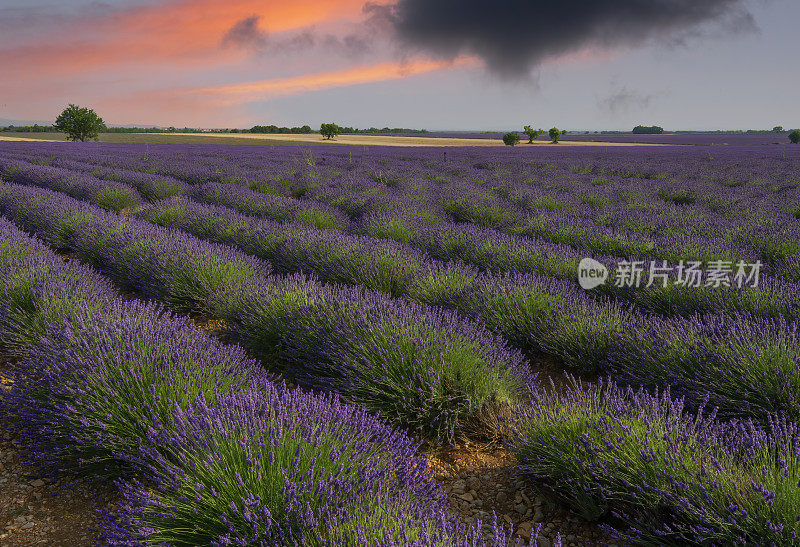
{"points": [[14, 138], [479, 481]]}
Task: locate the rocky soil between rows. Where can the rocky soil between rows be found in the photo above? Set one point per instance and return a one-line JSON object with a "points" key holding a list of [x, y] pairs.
{"points": [[479, 481]]}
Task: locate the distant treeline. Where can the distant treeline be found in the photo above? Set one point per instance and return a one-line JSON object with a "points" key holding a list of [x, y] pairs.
{"points": [[691, 132], [35, 128], [259, 129], [383, 130], [151, 130]]}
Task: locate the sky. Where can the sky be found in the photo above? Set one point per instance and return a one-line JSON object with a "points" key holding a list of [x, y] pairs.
{"points": [[433, 64]]}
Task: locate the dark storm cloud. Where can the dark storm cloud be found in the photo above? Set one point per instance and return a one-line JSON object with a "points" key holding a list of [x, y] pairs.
{"points": [[513, 36]]}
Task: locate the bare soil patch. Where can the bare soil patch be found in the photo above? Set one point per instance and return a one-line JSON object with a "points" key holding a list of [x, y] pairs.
{"points": [[479, 480]]}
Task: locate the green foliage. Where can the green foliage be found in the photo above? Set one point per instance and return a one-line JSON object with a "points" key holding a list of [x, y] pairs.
{"points": [[533, 134], [555, 135], [794, 136], [511, 139], [648, 130], [304, 130], [35, 128], [329, 130], [115, 199], [678, 197], [79, 123]]}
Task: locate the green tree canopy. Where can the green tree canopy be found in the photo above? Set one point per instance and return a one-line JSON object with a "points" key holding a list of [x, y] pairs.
{"points": [[511, 139], [79, 123], [555, 135], [329, 130], [648, 130], [794, 136], [533, 134]]}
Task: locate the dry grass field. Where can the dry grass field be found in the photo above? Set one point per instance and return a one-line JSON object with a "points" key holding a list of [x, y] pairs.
{"points": [[247, 138]]}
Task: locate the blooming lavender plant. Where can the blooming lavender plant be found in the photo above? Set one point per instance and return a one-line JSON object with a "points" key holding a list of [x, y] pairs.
{"points": [[106, 194], [659, 475], [38, 289], [279, 467], [100, 386]]}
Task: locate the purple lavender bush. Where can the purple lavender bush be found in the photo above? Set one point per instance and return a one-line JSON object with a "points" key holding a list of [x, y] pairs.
{"points": [[158, 262], [269, 206], [548, 316], [426, 369], [38, 289], [109, 195], [743, 365], [102, 384], [330, 254], [658, 475], [423, 368], [278, 467]]}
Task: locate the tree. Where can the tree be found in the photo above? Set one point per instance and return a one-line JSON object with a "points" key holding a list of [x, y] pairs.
{"points": [[511, 139], [79, 123], [533, 134], [648, 130], [794, 136], [329, 130], [555, 135], [777, 129]]}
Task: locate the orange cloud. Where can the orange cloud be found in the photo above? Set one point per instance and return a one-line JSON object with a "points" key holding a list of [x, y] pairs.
{"points": [[189, 30], [224, 105], [266, 89]]}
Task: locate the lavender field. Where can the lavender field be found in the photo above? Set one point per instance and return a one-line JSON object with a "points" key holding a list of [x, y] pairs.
{"points": [[264, 344]]}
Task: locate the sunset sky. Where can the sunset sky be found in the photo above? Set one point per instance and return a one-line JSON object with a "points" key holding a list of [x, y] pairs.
{"points": [[414, 63]]}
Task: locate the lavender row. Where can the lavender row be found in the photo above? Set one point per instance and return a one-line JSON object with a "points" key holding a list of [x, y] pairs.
{"points": [[658, 475], [203, 449], [424, 368], [353, 259], [151, 187], [745, 363], [109, 195]]}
